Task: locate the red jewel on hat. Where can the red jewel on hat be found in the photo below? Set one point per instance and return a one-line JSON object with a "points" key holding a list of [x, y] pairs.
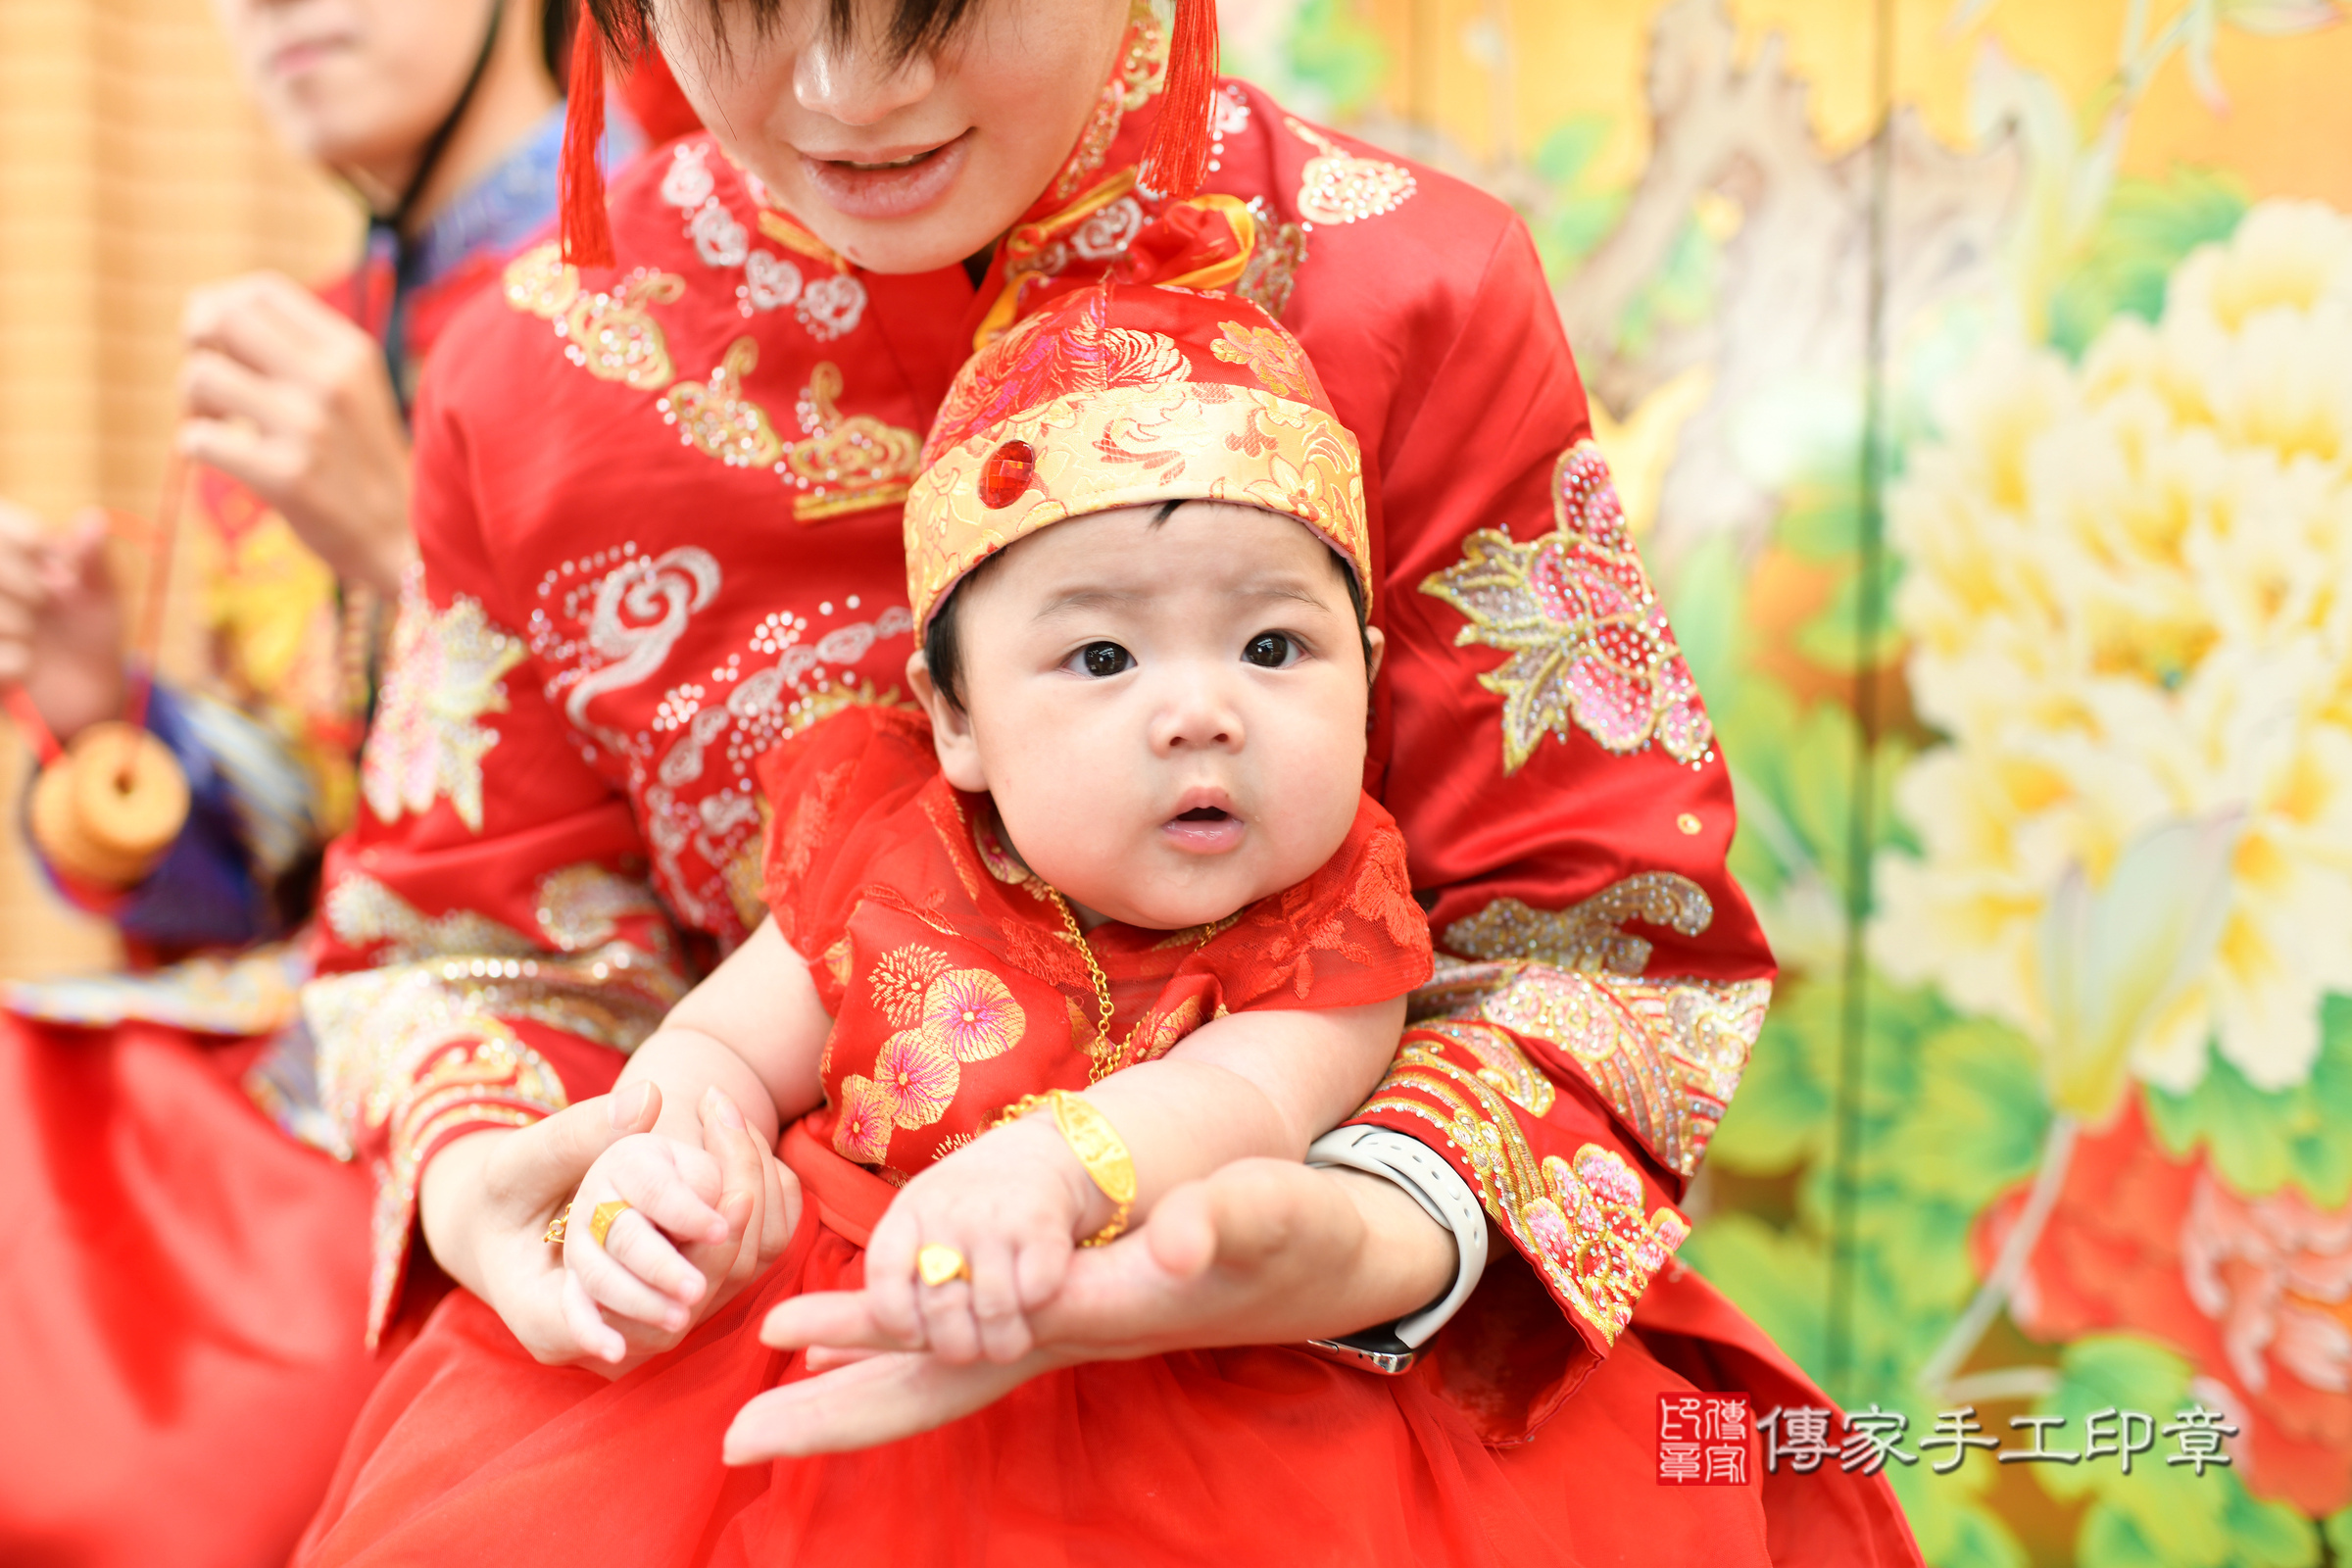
{"points": [[1006, 474]]}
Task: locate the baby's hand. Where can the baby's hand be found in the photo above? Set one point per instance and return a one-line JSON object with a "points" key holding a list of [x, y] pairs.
{"points": [[1009, 1204], [668, 1190]]}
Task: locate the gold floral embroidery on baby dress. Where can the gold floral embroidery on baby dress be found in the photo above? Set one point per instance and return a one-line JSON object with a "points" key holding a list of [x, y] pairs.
{"points": [[1588, 639], [943, 1018]]}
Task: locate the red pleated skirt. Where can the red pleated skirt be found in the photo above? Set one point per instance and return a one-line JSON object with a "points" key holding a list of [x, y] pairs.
{"points": [[472, 1453], [183, 1297]]}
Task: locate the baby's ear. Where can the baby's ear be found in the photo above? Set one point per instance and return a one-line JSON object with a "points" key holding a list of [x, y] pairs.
{"points": [[951, 729]]}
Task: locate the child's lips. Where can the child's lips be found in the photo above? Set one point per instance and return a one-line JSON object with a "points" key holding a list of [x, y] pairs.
{"points": [[1205, 830]]}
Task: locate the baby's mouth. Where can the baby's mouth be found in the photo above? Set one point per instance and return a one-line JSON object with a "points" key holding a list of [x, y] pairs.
{"points": [[1205, 830]]}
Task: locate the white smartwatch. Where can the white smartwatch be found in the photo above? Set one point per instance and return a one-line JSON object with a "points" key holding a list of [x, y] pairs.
{"points": [[1433, 1184]]}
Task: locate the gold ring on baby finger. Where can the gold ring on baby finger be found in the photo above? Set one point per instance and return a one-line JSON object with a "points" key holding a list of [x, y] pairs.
{"points": [[558, 1227], [938, 1263], [600, 1222]]}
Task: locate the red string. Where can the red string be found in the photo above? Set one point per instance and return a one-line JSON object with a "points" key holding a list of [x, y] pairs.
{"points": [[146, 645], [34, 728]]}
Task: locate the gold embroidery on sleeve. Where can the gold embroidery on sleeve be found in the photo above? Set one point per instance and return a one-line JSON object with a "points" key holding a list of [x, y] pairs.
{"points": [[425, 1039], [1580, 1221], [1667, 1054], [1588, 935], [492, 1080], [1588, 639], [445, 674]]}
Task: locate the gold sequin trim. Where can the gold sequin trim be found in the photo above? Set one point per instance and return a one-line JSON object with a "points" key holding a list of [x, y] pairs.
{"points": [[1274, 262], [1587, 935], [424, 1041], [1142, 63]]}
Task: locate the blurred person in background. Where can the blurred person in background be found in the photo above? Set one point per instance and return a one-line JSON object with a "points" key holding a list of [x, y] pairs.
{"points": [[186, 1283]]}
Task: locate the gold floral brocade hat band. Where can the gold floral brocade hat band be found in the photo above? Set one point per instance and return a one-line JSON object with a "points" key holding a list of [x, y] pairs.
{"points": [[1129, 394]]}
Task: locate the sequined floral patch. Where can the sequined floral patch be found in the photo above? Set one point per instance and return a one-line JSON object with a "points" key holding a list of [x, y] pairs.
{"points": [[1589, 1230], [1588, 639], [1338, 187], [446, 673]]}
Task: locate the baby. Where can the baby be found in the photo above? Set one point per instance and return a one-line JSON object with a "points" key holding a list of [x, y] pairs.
{"points": [[1123, 913]]}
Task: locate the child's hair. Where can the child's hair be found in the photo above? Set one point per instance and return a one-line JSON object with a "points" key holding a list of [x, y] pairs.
{"points": [[943, 649]]}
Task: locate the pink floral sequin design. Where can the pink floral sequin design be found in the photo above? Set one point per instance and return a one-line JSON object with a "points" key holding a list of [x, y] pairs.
{"points": [[1591, 1237], [1588, 639]]}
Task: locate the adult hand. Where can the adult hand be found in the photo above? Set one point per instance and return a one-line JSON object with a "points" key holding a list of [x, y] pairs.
{"points": [[1263, 1252], [61, 622], [286, 396], [486, 1200]]}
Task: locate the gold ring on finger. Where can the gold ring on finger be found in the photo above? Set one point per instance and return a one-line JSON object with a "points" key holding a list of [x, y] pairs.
{"points": [[938, 1263], [600, 1222]]}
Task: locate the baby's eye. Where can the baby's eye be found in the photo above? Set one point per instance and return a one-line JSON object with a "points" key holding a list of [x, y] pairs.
{"points": [[1104, 659], [1270, 650]]}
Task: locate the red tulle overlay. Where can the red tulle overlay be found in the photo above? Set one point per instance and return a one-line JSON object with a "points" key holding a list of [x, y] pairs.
{"points": [[183, 1305], [473, 1452]]}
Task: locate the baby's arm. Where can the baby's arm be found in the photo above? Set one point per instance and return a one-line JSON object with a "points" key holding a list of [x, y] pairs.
{"points": [[1268, 1082], [755, 1032]]}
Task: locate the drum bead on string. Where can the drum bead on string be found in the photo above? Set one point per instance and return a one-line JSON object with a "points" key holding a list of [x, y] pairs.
{"points": [[107, 807]]}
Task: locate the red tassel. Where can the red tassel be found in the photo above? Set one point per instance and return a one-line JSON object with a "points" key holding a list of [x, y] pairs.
{"points": [[1177, 158], [587, 229]]}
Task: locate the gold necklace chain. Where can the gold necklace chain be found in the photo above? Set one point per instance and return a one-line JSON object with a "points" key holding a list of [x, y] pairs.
{"points": [[1070, 923]]}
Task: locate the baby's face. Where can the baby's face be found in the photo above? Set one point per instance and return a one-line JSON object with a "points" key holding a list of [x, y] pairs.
{"points": [[1169, 716]]}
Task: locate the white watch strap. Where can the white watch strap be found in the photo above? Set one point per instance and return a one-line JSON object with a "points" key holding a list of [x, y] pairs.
{"points": [[1433, 1183]]}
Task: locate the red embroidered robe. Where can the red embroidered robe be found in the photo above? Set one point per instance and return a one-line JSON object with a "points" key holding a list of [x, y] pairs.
{"points": [[955, 989], [659, 507]]}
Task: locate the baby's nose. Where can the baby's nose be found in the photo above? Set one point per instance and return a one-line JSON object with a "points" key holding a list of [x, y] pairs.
{"points": [[1198, 715]]}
